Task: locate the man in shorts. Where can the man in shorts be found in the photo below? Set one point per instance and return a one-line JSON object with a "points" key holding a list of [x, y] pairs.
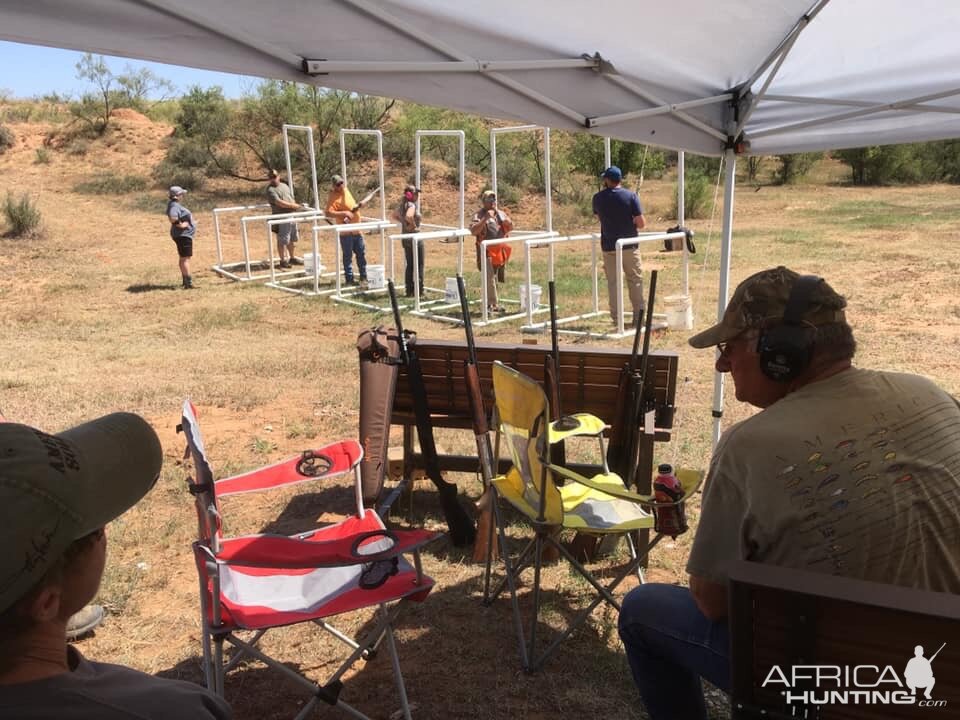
{"points": [[281, 200]]}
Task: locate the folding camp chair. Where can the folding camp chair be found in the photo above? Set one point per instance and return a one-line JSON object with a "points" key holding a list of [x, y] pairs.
{"points": [[551, 497], [261, 582]]}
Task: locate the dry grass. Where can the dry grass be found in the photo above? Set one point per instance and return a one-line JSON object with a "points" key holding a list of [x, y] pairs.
{"points": [[94, 321]]}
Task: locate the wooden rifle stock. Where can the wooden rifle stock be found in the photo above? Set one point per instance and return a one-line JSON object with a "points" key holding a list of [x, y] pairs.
{"points": [[484, 544], [461, 527], [551, 375], [624, 444]]}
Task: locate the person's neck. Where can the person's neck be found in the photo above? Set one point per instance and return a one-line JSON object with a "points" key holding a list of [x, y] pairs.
{"points": [[44, 655], [817, 373]]}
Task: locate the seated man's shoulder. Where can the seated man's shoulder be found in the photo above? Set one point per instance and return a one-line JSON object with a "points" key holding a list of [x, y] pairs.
{"points": [[110, 692]]}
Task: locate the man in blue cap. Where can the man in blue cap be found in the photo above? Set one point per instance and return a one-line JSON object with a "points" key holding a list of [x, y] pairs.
{"points": [[621, 216]]}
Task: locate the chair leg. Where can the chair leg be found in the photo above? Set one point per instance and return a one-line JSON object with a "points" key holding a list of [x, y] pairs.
{"points": [[537, 565], [510, 580], [397, 675], [603, 593], [218, 665]]}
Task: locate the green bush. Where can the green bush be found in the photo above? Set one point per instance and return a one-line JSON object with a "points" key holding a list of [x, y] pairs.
{"points": [[794, 167], [42, 157], [696, 195], [112, 185], [22, 215], [7, 139], [167, 174]]}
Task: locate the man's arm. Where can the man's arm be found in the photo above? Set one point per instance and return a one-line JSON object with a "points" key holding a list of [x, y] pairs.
{"points": [[479, 220], [710, 596], [639, 222]]}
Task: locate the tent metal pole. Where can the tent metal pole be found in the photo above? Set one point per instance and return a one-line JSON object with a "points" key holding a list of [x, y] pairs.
{"points": [[729, 180], [681, 220]]}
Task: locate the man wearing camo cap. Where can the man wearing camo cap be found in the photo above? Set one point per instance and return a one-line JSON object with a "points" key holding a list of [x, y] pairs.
{"points": [[844, 471], [57, 493]]}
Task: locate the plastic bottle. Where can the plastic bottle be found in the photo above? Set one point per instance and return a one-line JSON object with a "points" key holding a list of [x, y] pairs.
{"points": [[669, 519]]}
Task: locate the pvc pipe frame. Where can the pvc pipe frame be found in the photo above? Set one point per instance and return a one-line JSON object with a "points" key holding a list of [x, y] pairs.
{"points": [[520, 236], [226, 269], [445, 235], [461, 165], [336, 230], [550, 241], [548, 192], [630, 242], [282, 217]]}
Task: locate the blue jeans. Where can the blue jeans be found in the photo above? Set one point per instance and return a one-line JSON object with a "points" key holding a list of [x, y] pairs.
{"points": [[350, 245], [670, 645]]}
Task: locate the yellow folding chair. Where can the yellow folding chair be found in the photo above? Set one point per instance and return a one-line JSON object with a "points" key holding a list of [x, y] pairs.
{"points": [[551, 496]]}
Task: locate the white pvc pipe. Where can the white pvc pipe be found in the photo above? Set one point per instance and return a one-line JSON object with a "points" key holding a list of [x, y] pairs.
{"points": [[681, 220], [461, 165]]}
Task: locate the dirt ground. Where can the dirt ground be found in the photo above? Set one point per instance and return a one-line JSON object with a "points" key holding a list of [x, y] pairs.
{"points": [[94, 320]]}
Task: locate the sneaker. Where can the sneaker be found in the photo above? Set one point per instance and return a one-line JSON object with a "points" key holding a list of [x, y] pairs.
{"points": [[295, 261], [351, 282], [284, 264], [84, 621], [188, 283]]}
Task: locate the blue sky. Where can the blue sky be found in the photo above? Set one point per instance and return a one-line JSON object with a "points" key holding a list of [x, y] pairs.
{"points": [[31, 71]]}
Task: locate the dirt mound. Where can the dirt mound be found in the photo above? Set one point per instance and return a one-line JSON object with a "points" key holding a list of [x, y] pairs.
{"points": [[130, 115]]}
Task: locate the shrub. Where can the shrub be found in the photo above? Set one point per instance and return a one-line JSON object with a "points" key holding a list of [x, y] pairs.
{"points": [[794, 167], [696, 195], [42, 157], [112, 185], [22, 215], [167, 174], [7, 139]]}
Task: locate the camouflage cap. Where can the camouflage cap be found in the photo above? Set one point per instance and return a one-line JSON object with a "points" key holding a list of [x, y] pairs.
{"points": [[760, 300]]}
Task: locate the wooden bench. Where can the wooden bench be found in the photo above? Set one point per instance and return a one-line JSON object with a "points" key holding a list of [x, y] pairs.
{"points": [[785, 618], [588, 383]]}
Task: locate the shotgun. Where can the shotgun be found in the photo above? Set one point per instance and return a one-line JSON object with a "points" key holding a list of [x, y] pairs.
{"points": [[461, 527], [619, 428], [638, 400], [551, 376], [486, 526]]}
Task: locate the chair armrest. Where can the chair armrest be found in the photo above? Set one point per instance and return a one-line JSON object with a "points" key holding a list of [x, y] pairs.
{"points": [[587, 424], [690, 481], [328, 462], [282, 552]]}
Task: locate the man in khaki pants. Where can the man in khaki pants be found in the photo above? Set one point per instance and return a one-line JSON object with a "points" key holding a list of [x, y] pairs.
{"points": [[620, 216]]}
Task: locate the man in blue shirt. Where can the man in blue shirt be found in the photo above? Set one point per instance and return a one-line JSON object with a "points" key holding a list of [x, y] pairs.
{"points": [[621, 216]]}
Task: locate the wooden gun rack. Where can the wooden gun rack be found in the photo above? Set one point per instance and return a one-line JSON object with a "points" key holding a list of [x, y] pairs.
{"points": [[588, 383]]}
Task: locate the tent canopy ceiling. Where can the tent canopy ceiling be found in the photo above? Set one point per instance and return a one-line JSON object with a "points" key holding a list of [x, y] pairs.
{"points": [[783, 75]]}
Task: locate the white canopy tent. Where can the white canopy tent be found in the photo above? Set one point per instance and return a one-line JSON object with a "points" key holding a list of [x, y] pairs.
{"points": [[739, 77]]}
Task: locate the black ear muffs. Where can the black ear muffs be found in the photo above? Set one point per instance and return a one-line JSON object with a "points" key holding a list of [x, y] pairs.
{"points": [[785, 349]]}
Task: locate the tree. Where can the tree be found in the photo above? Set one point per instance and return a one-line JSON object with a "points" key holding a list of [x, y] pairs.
{"points": [[130, 89]]}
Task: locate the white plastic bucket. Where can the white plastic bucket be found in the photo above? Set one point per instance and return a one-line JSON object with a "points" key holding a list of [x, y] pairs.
{"points": [[451, 293], [679, 311], [375, 277], [535, 293], [308, 263]]}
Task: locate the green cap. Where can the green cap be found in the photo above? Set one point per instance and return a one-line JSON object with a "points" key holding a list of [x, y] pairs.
{"points": [[760, 301], [55, 489]]}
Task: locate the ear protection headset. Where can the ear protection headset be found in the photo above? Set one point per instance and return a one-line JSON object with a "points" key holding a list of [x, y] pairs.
{"points": [[785, 349], [408, 194]]}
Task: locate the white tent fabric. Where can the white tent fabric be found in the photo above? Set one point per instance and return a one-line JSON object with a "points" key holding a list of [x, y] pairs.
{"points": [[760, 77], [785, 75]]}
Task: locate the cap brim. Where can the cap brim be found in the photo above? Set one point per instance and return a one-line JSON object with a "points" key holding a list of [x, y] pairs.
{"points": [[714, 336], [120, 457]]}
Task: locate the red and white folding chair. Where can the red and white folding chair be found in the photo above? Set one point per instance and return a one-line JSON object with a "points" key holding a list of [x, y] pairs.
{"points": [[261, 582]]}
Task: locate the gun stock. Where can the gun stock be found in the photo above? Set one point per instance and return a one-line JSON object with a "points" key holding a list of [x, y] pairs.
{"points": [[462, 531], [486, 526]]}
